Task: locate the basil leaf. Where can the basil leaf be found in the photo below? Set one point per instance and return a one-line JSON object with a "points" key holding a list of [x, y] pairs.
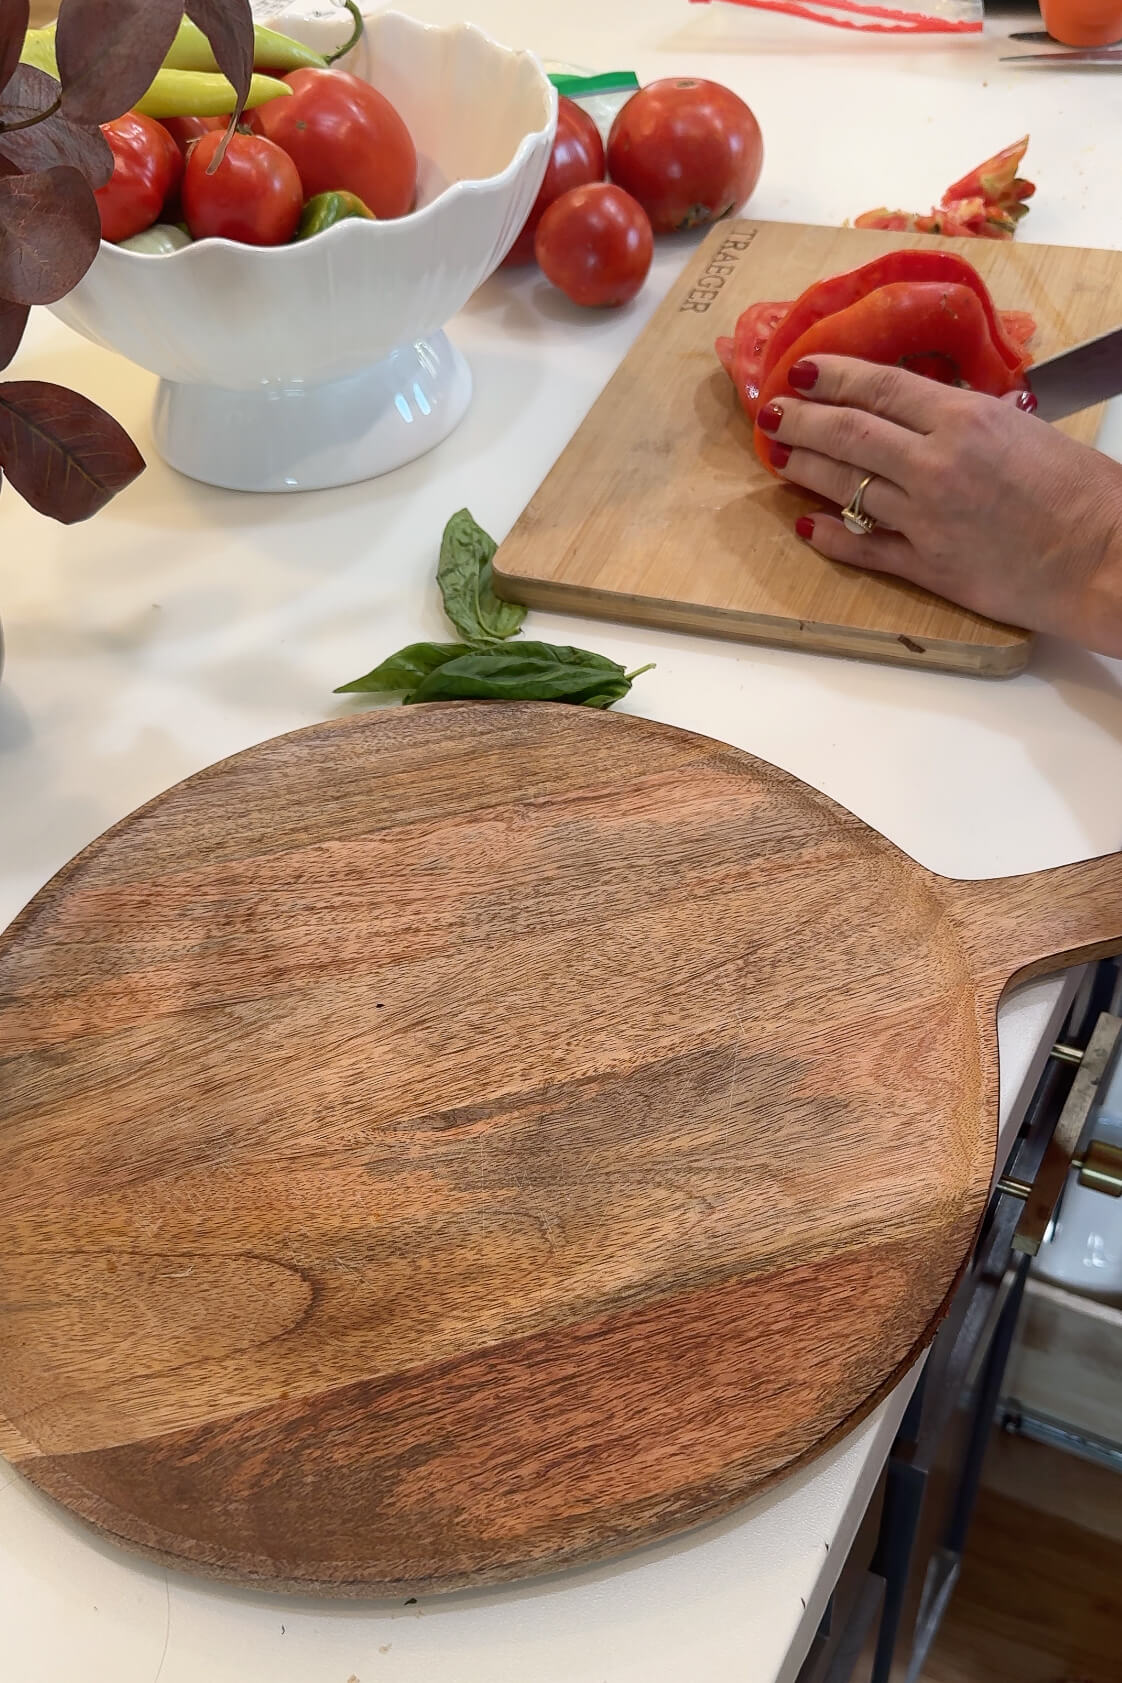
{"points": [[405, 668], [465, 579], [526, 672], [608, 696], [501, 619]]}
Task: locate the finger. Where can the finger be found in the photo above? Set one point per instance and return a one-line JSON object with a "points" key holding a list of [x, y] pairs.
{"points": [[879, 552], [848, 435], [895, 394], [838, 483]]}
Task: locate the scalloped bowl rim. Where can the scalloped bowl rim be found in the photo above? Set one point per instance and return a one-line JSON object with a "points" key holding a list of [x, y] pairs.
{"points": [[354, 226]]}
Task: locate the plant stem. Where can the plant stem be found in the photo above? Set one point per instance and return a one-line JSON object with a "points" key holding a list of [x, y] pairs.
{"points": [[29, 122], [638, 672], [356, 33]]}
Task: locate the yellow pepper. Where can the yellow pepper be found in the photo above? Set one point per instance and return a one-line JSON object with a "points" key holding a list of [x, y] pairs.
{"points": [[173, 93], [189, 93], [271, 51], [38, 50]]}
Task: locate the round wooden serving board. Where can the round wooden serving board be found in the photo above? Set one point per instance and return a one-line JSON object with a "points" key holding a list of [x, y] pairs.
{"points": [[449, 1143]]}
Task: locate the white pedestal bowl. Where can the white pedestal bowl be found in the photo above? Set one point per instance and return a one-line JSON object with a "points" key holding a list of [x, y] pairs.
{"points": [[300, 366]]}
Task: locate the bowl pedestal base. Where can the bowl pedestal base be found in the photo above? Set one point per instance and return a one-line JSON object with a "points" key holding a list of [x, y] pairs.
{"points": [[304, 438]]}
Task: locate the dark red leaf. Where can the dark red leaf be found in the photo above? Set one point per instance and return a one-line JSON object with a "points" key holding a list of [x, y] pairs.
{"points": [[108, 52], [57, 140], [13, 320], [49, 234], [228, 26], [61, 452], [13, 27]]}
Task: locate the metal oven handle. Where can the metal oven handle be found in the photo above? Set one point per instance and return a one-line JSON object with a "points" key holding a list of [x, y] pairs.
{"points": [[1099, 1166]]}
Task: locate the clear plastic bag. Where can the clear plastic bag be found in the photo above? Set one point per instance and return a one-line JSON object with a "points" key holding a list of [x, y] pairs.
{"points": [[926, 17]]}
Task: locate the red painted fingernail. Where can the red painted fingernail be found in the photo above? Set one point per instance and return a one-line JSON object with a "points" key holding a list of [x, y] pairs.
{"points": [[770, 419], [1027, 402], [804, 526], [803, 376], [779, 454]]}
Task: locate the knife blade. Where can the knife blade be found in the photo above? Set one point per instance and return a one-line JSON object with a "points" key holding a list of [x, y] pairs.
{"points": [[1041, 38], [1076, 379], [1085, 55]]}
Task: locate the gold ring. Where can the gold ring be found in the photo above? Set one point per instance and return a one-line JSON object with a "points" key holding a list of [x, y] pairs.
{"points": [[854, 517]]}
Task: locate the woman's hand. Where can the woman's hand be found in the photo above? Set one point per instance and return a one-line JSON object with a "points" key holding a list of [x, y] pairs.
{"points": [[975, 499]]}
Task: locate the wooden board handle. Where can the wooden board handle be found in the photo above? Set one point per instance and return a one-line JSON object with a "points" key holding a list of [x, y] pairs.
{"points": [[1017, 927]]}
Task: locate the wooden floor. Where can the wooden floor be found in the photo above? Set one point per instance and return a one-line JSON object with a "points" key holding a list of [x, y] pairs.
{"points": [[1040, 1596]]}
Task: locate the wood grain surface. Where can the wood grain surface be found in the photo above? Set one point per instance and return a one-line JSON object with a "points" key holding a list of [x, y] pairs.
{"points": [[659, 512], [448, 1143]]}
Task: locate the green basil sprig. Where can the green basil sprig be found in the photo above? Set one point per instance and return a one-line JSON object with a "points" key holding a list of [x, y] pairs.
{"points": [[485, 666], [526, 672]]}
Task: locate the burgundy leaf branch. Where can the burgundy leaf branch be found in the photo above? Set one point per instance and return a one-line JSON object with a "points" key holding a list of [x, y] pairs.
{"points": [[13, 27], [49, 234], [228, 26], [13, 320], [59, 450], [106, 50], [35, 135], [62, 453]]}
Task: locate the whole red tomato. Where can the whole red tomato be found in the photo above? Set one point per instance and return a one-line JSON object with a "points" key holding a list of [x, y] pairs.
{"points": [[689, 151], [146, 170], [344, 137], [253, 196], [595, 243], [576, 159], [184, 130]]}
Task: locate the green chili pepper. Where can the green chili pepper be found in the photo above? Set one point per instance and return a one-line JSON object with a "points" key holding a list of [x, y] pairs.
{"points": [[325, 209]]}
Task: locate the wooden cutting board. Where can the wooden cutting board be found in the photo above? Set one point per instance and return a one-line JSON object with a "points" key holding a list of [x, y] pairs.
{"points": [[659, 513], [450, 1143]]}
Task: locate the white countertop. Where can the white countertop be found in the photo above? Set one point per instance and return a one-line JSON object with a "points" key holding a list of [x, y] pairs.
{"points": [[185, 623]]}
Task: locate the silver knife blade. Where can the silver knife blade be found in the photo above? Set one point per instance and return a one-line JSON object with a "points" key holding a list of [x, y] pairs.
{"points": [[1084, 55], [1041, 38], [1076, 379]]}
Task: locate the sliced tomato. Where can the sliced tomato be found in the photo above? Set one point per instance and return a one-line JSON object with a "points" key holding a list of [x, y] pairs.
{"points": [[742, 354], [1020, 329], [986, 204], [754, 329], [912, 324], [891, 221], [993, 180], [827, 297]]}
